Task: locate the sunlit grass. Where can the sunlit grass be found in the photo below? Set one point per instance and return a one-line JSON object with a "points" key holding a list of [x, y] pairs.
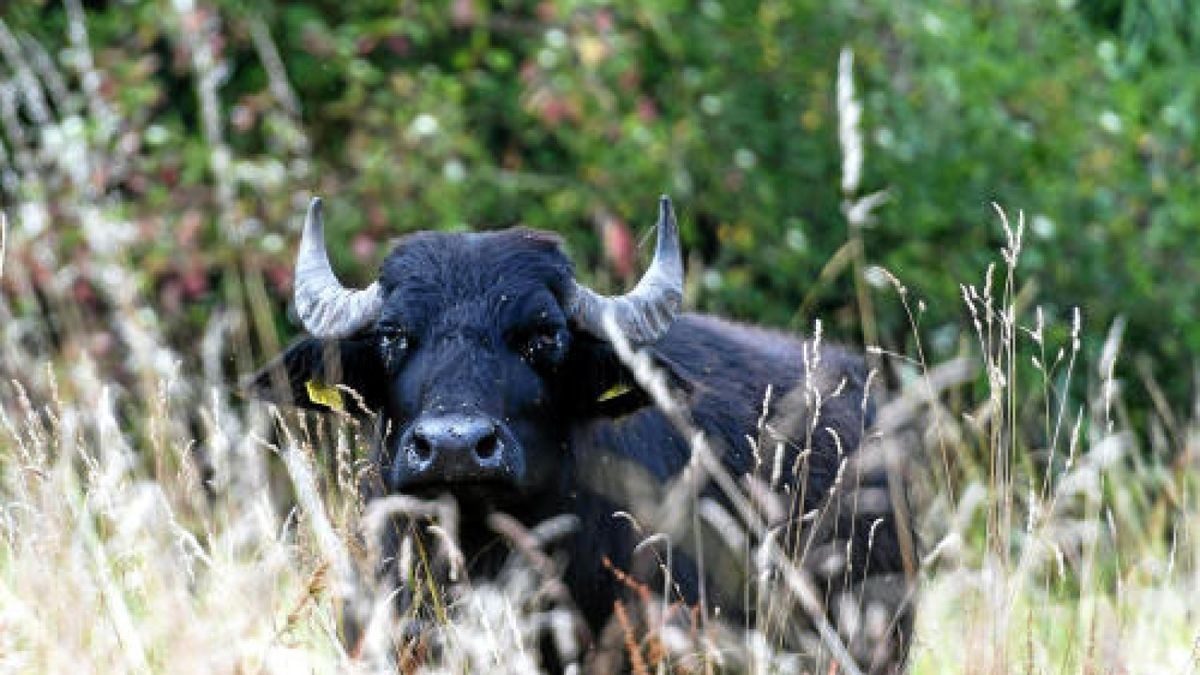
{"points": [[134, 542], [153, 522], [1149, 629]]}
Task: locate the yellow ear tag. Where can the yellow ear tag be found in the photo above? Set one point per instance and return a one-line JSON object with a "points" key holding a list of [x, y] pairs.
{"points": [[615, 391], [325, 394]]}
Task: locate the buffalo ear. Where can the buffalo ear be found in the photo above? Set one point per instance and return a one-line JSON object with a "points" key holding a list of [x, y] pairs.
{"points": [[599, 384], [322, 375]]}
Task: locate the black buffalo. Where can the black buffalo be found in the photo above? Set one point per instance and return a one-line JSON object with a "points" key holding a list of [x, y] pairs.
{"points": [[490, 374]]}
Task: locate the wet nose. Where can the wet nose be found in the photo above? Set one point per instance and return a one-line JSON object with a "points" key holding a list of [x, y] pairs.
{"points": [[473, 436], [453, 449]]}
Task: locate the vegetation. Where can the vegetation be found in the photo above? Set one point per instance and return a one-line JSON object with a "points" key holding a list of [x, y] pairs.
{"points": [[155, 160]]}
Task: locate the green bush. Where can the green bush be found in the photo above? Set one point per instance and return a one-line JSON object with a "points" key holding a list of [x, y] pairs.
{"points": [[573, 116]]}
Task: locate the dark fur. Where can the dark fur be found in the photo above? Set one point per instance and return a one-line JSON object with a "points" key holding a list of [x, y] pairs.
{"points": [[468, 303]]}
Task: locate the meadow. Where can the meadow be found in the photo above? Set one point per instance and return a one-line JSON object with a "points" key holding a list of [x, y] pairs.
{"points": [[154, 520]]}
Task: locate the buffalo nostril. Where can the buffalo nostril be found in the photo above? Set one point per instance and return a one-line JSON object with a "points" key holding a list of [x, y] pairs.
{"points": [[421, 447], [485, 448]]}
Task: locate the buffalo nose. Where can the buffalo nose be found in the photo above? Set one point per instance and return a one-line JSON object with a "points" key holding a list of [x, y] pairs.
{"points": [[450, 450], [457, 435]]}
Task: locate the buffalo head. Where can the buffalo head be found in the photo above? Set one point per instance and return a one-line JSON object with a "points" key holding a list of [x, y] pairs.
{"points": [[473, 354]]}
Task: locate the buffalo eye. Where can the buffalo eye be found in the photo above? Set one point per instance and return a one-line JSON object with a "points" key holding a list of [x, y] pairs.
{"points": [[545, 346], [393, 343]]}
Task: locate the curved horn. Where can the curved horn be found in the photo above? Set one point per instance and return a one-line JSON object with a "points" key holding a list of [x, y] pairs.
{"points": [[325, 307], [646, 313]]}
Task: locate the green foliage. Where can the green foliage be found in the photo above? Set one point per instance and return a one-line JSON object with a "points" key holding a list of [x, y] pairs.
{"points": [[572, 116], [153, 206]]}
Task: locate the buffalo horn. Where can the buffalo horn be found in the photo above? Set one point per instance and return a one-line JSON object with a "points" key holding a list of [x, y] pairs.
{"points": [[646, 313], [325, 307]]}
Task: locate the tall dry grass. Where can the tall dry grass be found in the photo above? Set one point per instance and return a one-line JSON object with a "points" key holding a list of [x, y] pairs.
{"points": [[151, 521]]}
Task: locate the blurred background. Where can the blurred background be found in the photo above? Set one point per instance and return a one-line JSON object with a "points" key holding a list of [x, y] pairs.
{"points": [[156, 158], [199, 129]]}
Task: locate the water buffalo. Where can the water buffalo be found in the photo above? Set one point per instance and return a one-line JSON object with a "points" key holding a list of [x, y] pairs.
{"points": [[489, 372]]}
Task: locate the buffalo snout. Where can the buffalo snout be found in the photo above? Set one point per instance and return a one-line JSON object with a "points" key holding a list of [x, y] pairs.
{"points": [[452, 450]]}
